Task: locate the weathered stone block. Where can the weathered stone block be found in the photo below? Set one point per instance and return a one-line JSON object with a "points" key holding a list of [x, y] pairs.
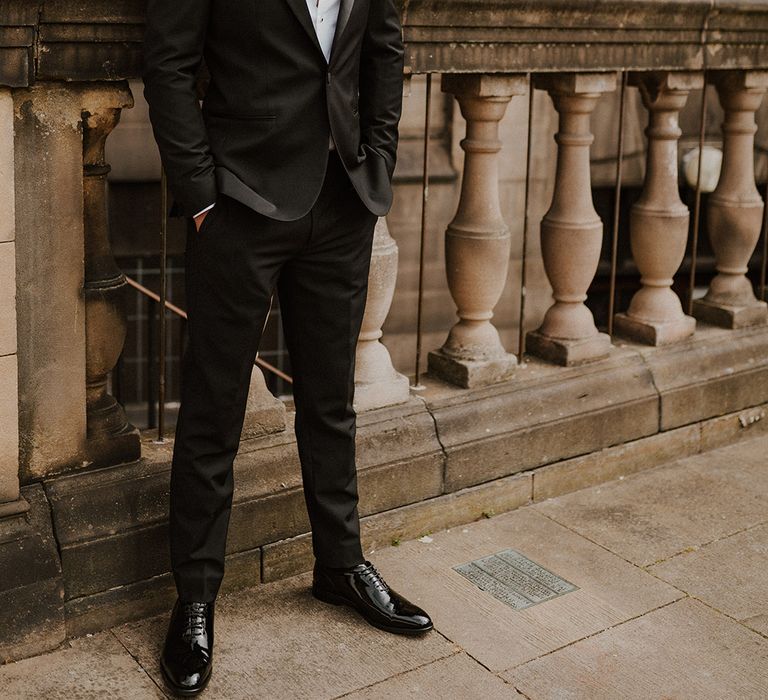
{"points": [[471, 373], [614, 462], [96, 565], [568, 353], [31, 607], [15, 66], [294, 555], [727, 316], [396, 433], [103, 502], [545, 415], [7, 194], [651, 333], [149, 597], [393, 485], [576, 82], [114, 606], [743, 425], [9, 429], [283, 514], [112, 522], [49, 158], [7, 298], [717, 372]]}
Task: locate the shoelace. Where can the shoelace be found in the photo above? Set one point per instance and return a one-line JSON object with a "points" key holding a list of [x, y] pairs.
{"points": [[194, 614], [375, 578]]}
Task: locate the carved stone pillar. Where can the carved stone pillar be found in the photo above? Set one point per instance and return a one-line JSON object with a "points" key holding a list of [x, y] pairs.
{"points": [[50, 326], [377, 384], [659, 219], [571, 230], [110, 438], [477, 242], [735, 208]]}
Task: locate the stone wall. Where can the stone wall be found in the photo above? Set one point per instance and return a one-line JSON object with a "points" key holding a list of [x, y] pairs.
{"points": [[9, 417]]}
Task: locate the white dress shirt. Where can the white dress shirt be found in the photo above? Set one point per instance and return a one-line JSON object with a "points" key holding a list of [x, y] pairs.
{"points": [[324, 15]]}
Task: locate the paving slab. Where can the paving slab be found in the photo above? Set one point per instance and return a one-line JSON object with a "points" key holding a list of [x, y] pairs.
{"points": [[457, 676], [609, 589], [90, 668], [683, 651], [276, 641], [651, 516], [730, 575]]}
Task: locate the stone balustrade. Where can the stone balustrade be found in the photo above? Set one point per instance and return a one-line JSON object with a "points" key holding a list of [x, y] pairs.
{"points": [[63, 82]]}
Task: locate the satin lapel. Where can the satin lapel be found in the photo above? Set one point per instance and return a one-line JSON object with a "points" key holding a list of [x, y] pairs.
{"points": [[345, 10], [301, 11]]}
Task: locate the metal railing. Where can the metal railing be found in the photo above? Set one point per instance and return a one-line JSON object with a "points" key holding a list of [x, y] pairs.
{"points": [[615, 229]]}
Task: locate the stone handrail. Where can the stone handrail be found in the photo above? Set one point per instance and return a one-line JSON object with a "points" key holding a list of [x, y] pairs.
{"points": [[101, 39], [566, 35]]}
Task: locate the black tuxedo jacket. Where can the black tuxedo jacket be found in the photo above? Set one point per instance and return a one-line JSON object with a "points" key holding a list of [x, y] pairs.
{"points": [[262, 134]]}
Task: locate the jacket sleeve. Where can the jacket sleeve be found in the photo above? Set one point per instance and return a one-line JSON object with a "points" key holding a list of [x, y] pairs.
{"points": [[173, 50], [381, 80]]}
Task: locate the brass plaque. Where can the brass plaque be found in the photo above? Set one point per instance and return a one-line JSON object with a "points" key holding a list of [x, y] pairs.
{"points": [[514, 579]]}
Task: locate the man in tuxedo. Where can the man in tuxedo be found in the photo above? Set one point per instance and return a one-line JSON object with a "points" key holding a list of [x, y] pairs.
{"points": [[281, 174]]}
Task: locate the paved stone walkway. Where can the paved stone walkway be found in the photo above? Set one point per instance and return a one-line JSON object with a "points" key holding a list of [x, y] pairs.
{"points": [[671, 569]]}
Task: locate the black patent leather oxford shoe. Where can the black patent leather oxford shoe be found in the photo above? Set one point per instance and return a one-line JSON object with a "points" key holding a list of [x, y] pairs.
{"points": [[187, 657], [363, 588]]}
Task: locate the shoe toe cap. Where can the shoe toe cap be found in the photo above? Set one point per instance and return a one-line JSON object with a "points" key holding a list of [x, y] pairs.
{"points": [[421, 621], [187, 679], [415, 619]]}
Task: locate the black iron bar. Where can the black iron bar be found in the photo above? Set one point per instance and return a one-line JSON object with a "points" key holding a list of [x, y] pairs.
{"points": [[424, 202], [151, 376], [161, 369], [764, 261], [697, 198], [526, 225], [617, 203], [183, 314]]}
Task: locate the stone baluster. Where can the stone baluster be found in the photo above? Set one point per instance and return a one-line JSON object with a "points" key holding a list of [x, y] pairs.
{"points": [[571, 230], [377, 384], [735, 208], [477, 242], [659, 219], [110, 438]]}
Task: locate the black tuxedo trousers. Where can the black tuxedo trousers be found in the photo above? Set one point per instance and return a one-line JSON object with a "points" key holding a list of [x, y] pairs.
{"points": [[319, 266]]}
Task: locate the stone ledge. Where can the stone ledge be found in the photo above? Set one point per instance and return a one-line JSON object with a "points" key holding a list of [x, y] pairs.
{"points": [[551, 35], [111, 523], [544, 414], [446, 458], [100, 40], [717, 371], [149, 597], [284, 558], [294, 556], [648, 453]]}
